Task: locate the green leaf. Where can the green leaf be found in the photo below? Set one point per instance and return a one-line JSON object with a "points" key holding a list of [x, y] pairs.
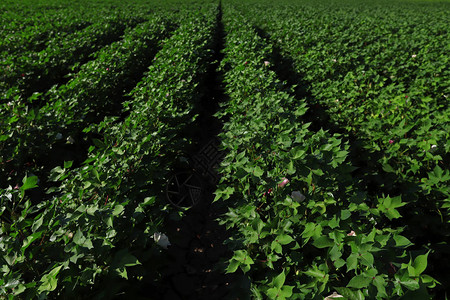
{"points": [[233, 266], [243, 257], [224, 194], [359, 282], [123, 259], [257, 171], [352, 262], [29, 183], [95, 173], [339, 263], [418, 266], [79, 238], [388, 206], [276, 247], [388, 168], [68, 164], [349, 294], [148, 201], [380, 283], [318, 172], [98, 143], [323, 242], [128, 260], [273, 293], [118, 209], [279, 280], [291, 169], [286, 291], [30, 239], [49, 281], [367, 259], [410, 284], [284, 239], [10, 259], [315, 273], [334, 222], [345, 214], [401, 241], [37, 224], [298, 153]]}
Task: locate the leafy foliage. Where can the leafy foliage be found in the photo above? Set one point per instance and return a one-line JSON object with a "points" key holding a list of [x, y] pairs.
{"points": [[92, 232], [335, 235]]}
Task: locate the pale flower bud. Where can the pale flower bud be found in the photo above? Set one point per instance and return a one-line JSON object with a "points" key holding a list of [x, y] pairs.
{"points": [[351, 233], [333, 296], [266, 63], [284, 182]]}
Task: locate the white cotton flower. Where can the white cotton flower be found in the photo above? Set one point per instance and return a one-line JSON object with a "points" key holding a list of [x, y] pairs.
{"points": [[334, 60], [297, 196], [333, 296], [70, 140], [414, 56], [433, 148], [161, 239]]}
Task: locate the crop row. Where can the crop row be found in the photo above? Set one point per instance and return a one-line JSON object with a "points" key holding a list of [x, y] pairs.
{"points": [[387, 92], [41, 28], [35, 37], [97, 225], [384, 88], [302, 227], [32, 72], [36, 134]]}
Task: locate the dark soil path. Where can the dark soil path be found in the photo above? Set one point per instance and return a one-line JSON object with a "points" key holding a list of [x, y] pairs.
{"points": [[197, 253]]}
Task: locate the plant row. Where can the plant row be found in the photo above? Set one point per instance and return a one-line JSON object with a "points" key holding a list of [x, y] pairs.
{"points": [[93, 234], [33, 134], [379, 73], [35, 37], [388, 88], [302, 227], [32, 71]]}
